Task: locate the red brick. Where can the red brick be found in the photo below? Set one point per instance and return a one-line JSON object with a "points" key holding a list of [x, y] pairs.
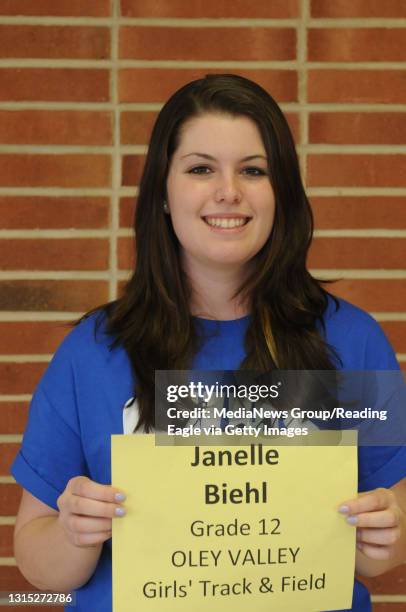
{"points": [[126, 253], [392, 582], [136, 126], [54, 254], [358, 8], [374, 295], [357, 128], [386, 86], [37, 608], [396, 333], [211, 8], [357, 212], [54, 42], [6, 541], [16, 377], [15, 581], [294, 124], [73, 8], [158, 84], [11, 580], [30, 212], [208, 44], [54, 84], [55, 170], [356, 45], [132, 169], [365, 252], [357, 170], [47, 295], [10, 495], [8, 451], [55, 127], [13, 417], [127, 209], [389, 607], [33, 337]]}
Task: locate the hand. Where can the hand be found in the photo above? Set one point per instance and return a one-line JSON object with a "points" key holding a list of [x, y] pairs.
{"points": [[378, 519], [86, 509]]}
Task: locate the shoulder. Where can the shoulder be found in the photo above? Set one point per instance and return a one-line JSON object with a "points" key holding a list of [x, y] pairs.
{"points": [[344, 315], [87, 338], [357, 337], [86, 352]]}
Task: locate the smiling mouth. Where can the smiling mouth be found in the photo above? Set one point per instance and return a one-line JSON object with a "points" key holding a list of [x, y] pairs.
{"points": [[226, 223]]}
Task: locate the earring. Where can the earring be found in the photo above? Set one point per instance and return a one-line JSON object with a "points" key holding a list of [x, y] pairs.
{"points": [[166, 207]]}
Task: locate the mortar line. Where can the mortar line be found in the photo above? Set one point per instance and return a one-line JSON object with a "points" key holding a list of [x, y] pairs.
{"points": [[302, 86], [116, 169]]}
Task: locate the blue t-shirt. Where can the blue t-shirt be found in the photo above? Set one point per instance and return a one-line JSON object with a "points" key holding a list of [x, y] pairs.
{"points": [[79, 402]]}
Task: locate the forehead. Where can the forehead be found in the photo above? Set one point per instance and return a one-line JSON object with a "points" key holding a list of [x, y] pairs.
{"points": [[219, 132]]}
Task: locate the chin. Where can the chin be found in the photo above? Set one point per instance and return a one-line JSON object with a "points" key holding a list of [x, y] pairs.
{"points": [[229, 262]]}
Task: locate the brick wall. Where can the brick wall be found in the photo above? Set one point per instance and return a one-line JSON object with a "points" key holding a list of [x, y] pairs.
{"points": [[80, 84]]}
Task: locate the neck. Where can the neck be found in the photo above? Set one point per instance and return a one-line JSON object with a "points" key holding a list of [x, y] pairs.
{"points": [[213, 293]]}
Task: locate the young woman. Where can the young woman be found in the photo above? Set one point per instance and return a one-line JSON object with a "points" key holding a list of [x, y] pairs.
{"points": [[222, 228]]}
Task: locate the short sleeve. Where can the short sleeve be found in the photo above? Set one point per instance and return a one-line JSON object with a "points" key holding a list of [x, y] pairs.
{"points": [[384, 466], [361, 345], [381, 466], [379, 354], [51, 452]]}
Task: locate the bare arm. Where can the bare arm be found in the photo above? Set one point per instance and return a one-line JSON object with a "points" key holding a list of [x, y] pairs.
{"points": [[48, 560], [59, 551]]}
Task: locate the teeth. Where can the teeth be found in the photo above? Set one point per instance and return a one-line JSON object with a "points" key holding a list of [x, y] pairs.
{"points": [[225, 223]]}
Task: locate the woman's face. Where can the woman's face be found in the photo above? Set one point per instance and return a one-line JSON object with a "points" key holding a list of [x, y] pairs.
{"points": [[219, 192]]}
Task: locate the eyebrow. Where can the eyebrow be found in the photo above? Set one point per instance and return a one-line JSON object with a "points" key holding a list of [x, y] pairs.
{"points": [[206, 156]]}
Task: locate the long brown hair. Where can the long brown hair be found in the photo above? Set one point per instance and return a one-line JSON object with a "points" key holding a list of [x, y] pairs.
{"points": [[152, 320]]}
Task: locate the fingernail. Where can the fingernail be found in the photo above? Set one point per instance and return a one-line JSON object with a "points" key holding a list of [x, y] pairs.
{"points": [[359, 546], [352, 520], [119, 511], [120, 497], [343, 509]]}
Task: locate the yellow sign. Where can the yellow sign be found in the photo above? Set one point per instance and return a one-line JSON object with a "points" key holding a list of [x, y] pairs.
{"points": [[232, 527]]}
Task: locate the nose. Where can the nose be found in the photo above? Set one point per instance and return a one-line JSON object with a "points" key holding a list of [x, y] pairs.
{"points": [[227, 191]]}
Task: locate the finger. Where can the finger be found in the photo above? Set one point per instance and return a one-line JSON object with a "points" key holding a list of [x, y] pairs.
{"points": [[89, 539], [84, 487], [91, 507], [384, 518], [382, 537], [374, 552], [84, 524], [371, 501]]}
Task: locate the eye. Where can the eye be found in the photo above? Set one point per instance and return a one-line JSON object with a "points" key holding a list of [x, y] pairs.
{"points": [[254, 171], [197, 170]]}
